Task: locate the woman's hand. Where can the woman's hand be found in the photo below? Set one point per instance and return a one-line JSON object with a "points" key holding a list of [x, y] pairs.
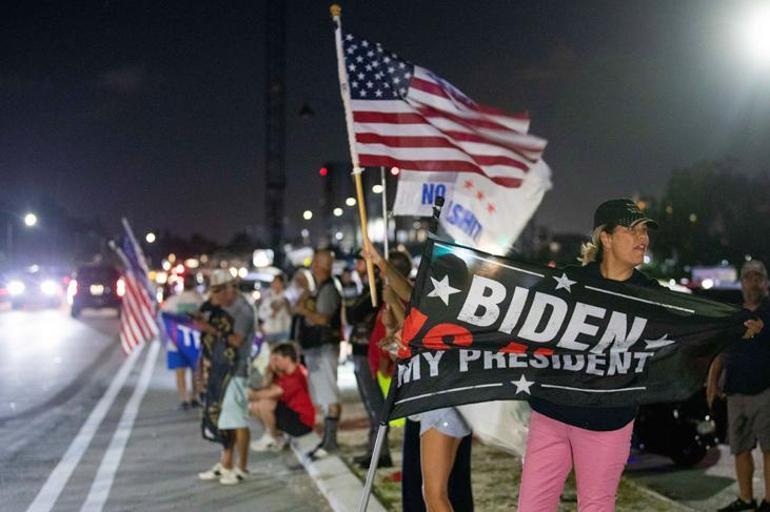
{"points": [[371, 254], [753, 327]]}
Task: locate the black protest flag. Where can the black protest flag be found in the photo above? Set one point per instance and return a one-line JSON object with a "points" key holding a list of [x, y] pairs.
{"points": [[482, 327]]}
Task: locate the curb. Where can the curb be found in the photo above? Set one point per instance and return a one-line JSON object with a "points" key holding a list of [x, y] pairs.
{"points": [[646, 490], [341, 488]]}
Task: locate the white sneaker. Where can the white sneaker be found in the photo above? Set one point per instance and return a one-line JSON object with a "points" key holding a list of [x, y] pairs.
{"points": [[233, 476], [318, 453], [278, 444], [263, 444], [213, 473], [229, 477]]}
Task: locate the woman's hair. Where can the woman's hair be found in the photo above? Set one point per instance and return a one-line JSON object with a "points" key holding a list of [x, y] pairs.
{"points": [[592, 250], [401, 262]]}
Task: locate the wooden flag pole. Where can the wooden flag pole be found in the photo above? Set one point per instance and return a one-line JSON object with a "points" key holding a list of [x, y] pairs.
{"points": [[336, 12], [365, 232], [385, 242]]}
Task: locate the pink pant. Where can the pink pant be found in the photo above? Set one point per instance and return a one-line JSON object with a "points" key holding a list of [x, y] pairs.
{"points": [[553, 447]]}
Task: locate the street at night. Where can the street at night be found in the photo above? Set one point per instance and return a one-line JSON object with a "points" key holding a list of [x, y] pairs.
{"points": [[64, 394], [388, 257]]}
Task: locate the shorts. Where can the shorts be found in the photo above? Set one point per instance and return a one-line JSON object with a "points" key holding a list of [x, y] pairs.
{"points": [[176, 360], [321, 363], [448, 421], [235, 406], [287, 420], [748, 422]]}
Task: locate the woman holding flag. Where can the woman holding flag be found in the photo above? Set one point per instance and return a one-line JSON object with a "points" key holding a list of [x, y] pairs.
{"points": [[595, 441]]}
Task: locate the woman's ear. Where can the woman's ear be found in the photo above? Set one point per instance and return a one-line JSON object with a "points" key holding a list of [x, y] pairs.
{"points": [[605, 239]]}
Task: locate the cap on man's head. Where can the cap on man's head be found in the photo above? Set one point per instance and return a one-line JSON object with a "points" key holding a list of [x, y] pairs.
{"points": [[221, 277], [753, 266], [621, 212]]}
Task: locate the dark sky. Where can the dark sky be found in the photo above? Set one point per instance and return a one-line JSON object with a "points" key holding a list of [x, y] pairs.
{"points": [[155, 110]]}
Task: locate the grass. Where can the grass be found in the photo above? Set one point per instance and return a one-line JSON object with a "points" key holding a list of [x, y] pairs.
{"points": [[495, 480]]}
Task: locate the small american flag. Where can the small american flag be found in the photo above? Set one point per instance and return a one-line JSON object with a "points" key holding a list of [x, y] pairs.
{"points": [[137, 319], [407, 116]]}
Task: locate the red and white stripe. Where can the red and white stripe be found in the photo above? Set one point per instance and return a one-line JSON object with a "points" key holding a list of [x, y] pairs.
{"points": [[438, 128], [137, 320]]}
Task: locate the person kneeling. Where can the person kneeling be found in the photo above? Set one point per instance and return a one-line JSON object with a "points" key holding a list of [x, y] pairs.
{"points": [[283, 405]]}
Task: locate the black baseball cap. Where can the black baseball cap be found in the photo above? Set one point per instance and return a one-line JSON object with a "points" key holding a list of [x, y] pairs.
{"points": [[621, 212]]}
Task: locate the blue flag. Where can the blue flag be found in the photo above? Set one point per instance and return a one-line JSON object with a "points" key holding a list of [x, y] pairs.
{"points": [[184, 337]]}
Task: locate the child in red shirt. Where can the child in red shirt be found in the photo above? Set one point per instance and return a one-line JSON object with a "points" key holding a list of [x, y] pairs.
{"points": [[284, 404]]}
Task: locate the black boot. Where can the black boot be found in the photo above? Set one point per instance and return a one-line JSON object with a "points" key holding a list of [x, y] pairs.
{"points": [[329, 442]]}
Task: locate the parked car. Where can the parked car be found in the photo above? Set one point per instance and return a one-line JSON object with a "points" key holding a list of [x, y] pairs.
{"points": [[95, 287], [683, 431]]}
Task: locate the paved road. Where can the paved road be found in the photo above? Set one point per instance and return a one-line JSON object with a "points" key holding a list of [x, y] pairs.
{"points": [[707, 486], [64, 445]]}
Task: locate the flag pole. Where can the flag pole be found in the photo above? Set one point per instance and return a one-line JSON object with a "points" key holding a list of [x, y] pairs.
{"points": [[145, 278], [385, 243], [336, 12], [140, 259]]}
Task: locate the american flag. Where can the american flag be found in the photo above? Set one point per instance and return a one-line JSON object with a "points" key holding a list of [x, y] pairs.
{"points": [[137, 319], [407, 116]]}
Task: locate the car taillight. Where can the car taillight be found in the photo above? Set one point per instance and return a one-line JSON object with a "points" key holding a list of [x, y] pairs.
{"points": [[120, 287]]}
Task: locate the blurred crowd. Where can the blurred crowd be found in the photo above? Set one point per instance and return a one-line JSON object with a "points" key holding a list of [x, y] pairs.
{"points": [[276, 361]]}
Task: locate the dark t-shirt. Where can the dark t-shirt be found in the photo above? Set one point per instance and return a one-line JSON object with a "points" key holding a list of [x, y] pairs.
{"points": [[326, 301], [296, 395], [747, 362], [593, 418]]}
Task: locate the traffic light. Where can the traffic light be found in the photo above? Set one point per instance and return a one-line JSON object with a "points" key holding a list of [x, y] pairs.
{"points": [[327, 190]]}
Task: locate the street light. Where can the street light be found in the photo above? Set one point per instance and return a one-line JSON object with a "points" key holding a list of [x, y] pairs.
{"points": [[29, 219], [350, 201], [755, 34], [150, 237], [337, 212], [307, 215]]}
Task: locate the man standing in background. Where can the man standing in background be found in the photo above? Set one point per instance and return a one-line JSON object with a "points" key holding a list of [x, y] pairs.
{"points": [[319, 336], [747, 386], [185, 303], [234, 416]]}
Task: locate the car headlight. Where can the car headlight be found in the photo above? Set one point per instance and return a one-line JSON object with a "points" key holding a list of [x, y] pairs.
{"points": [[49, 288], [16, 288]]}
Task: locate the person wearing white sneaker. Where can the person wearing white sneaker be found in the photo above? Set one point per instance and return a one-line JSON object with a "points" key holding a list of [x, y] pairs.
{"points": [[268, 443], [233, 477], [212, 474], [233, 417], [283, 404]]}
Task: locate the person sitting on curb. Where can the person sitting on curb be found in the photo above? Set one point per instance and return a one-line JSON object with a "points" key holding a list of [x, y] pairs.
{"points": [[283, 405]]}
